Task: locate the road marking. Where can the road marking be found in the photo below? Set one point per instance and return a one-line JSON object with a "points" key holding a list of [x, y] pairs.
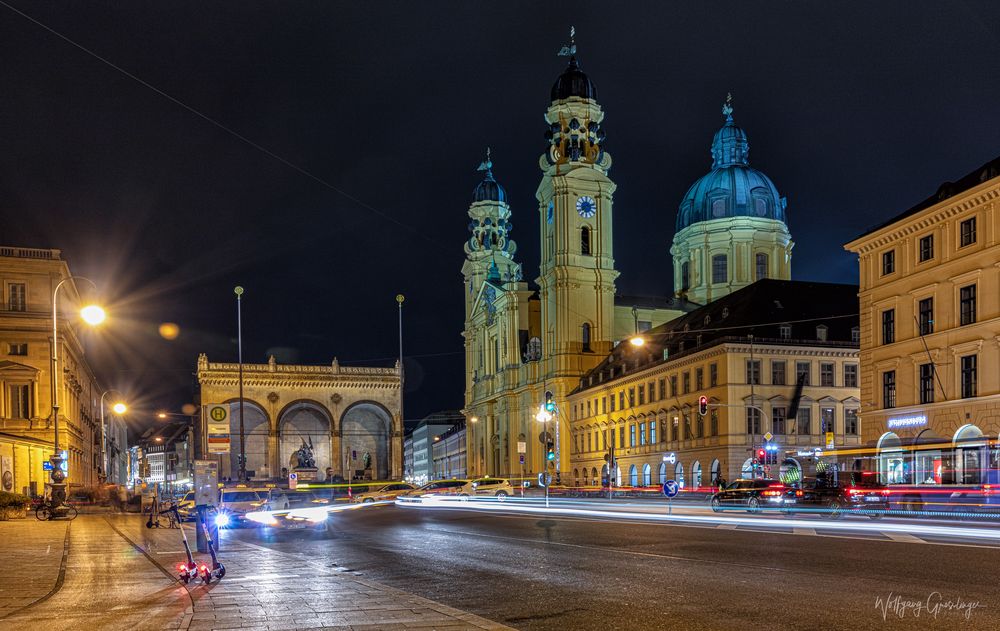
{"points": [[726, 526], [903, 537], [804, 531]]}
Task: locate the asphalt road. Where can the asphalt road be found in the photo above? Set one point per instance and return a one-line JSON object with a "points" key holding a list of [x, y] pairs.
{"points": [[548, 572]]}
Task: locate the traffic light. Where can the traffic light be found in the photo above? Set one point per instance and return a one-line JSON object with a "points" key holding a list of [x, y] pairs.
{"points": [[550, 455], [703, 405], [550, 405], [761, 455]]}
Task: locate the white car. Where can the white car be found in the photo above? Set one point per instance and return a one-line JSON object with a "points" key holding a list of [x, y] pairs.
{"points": [[388, 492], [437, 488]]}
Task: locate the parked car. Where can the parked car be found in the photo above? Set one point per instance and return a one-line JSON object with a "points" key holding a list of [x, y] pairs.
{"points": [[853, 492], [235, 503], [490, 487], [185, 507], [437, 488], [387, 492], [756, 495]]}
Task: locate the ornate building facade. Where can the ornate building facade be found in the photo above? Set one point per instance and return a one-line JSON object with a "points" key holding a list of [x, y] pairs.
{"points": [[28, 277], [344, 413]]}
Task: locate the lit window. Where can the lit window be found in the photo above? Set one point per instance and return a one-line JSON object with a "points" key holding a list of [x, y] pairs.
{"points": [[761, 261], [720, 268], [888, 262]]}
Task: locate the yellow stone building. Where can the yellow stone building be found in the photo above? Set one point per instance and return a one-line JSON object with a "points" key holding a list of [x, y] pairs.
{"points": [[521, 342], [930, 335], [344, 412], [28, 277]]}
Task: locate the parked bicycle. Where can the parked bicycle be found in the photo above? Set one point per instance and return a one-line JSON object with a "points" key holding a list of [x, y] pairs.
{"points": [[48, 511]]}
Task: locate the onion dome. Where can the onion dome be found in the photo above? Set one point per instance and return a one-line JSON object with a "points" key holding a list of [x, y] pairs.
{"points": [[488, 190], [732, 188], [573, 82]]}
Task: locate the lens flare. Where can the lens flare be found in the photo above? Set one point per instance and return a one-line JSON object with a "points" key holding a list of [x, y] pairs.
{"points": [[169, 331]]}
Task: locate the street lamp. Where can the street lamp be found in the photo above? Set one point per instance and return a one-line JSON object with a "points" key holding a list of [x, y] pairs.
{"points": [[543, 417], [93, 315], [118, 408], [636, 339]]}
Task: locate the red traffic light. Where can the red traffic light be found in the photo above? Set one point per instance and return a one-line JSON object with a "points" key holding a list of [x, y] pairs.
{"points": [[703, 405], [760, 454]]}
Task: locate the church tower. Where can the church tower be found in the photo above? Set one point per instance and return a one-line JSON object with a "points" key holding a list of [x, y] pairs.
{"points": [[731, 228], [577, 272]]}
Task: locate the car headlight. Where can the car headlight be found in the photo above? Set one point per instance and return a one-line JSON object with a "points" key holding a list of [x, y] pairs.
{"points": [[222, 520]]}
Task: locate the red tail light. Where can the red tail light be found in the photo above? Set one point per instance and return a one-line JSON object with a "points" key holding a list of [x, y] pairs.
{"points": [[181, 567], [798, 493], [853, 491], [772, 493], [885, 492], [203, 568]]}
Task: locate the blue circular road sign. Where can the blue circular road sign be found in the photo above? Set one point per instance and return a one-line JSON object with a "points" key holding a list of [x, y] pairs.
{"points": [[671, 488]]}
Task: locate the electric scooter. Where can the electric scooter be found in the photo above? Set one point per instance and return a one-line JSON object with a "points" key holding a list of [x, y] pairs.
{"points": [[217, 570], [185, 571]]}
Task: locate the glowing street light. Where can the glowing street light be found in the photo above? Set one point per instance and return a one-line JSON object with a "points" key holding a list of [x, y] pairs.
{"points": [[161, 415], [93, 315], [119, 408], [637, 341]]}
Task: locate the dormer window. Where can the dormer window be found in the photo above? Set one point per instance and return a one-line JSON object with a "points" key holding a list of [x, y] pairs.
{"points": [[719, 207], [785, 331], [821, 332], [855, 335]]}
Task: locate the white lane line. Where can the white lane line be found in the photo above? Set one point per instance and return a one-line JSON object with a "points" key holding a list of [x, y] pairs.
{"points": [[804, 531], [726, 526], [903, 537]]}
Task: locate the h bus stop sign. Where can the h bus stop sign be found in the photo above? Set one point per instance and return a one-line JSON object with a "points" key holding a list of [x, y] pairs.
{"points": [[671, 488]]}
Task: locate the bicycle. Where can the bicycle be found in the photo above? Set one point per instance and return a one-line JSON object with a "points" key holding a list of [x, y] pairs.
{"points": [[49, 511]]}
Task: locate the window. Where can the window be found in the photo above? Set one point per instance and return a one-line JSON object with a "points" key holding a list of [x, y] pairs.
{"points": [[699, 426], [685, 276], [714, 423], [856, 334], [889, 389], [585, 337], [611, 399], [687, 382], [753, 371], [926, 248], [719, 207], [642, 395], [888, 326], [925, 311], [969, 376], [621, 400], [753, 421], [588, 408], [850, 375], [631, 397], [826, 374], [720, 268], [804, 421], [585, 241], [621, 436], [17, 349], [821, 332], [16, 296], [827, 422], [967, 302], [713, 375], [604, 405], [778, 421], [642, 433], [785, 331], [967, 230], [662, 389], [18, 396], [802, 373], [927, 383], [760, 207], [644, 325], [631, 437], [673, 385], [652, 432], [761, 261], [687, 426], [778, 372], [590, 444], [699, 379], [851, 421], [888, 262]]}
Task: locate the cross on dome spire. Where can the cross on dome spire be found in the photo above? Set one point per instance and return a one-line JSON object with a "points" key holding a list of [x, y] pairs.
{"points": [[570, 50], [727, 108], [487, 165]]}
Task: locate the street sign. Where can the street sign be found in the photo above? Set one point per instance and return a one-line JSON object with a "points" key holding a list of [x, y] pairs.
{"points": [[522, 458], [768, 436], [671, 488], [293, 481], [829, 440], [522, 447], [544, 479], [218, 429]]}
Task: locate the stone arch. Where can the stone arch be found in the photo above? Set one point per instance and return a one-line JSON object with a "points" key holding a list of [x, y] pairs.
{"points": [[366, 427], [257, 430], [305, 420]]}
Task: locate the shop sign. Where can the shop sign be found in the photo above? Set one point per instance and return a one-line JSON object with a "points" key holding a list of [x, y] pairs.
{"points": [[670, 457], [901, 422]]}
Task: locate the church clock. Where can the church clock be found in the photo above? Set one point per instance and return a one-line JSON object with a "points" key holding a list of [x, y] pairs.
{"points": [[586, 207]]}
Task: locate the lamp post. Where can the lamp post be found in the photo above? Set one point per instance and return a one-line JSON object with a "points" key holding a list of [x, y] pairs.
{"points": [[636, 339], [399, 300], [92, 315], [119, 408], [544, 417], [239, 354]]}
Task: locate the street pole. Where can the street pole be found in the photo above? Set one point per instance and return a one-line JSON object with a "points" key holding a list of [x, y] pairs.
{"points": [[753, 426], [399, 300], [239, 354]]}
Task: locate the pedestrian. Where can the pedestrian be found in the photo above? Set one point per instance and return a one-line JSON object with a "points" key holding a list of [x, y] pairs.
{"points": [[122, 498]]}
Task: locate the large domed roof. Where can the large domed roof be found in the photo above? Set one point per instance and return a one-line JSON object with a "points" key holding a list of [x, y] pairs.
{"points": [[573, 82], [732, 188]]}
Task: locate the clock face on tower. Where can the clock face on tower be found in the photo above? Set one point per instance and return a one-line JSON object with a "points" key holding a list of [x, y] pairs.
{"points": [[586, 207]]}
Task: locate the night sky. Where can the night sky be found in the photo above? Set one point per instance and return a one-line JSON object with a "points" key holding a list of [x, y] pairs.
{"points": [[855, 110]]}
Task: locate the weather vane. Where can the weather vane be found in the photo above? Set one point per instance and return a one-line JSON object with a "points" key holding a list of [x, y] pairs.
{"points": [[567, 51], [727, 109], [488, 164]]}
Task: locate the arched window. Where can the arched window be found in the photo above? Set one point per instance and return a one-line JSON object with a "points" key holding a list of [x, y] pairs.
{"points": [[715, 471], [585, 241], [720, 268], [585, 337], [633, 476], [646, 481], [679, 474], [696, 474], [761, 264], [719, 207], [685, 276], [576, 477], [760, 206], [663, 472], [593, 474]]}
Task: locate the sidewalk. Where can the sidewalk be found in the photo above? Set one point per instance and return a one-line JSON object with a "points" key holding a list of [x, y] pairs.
{"points": [[116, 578]]}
